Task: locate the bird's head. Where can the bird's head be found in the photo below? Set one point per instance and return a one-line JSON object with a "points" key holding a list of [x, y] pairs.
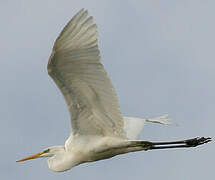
{"points": [[49, 152], [59, 160]]}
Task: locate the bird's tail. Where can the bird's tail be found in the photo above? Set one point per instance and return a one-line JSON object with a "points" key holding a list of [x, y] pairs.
{"points": [[134, 126]]}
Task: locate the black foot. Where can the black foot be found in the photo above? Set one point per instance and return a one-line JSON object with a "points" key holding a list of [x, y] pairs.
{"points": [[197, 141]]}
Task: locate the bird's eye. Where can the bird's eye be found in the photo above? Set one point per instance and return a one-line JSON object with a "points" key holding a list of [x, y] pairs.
{"points": [[46, 151]]}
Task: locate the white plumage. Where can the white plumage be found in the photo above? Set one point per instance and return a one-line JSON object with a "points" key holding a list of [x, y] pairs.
{"points": [[98, 130], [134, 126], [76, 68]]}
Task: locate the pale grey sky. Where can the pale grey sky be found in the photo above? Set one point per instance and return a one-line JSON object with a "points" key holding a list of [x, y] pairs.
{"points": [[160, 57]]}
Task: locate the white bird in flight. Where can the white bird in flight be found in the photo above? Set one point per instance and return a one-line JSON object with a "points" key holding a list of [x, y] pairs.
{"points": [[98, 130]]}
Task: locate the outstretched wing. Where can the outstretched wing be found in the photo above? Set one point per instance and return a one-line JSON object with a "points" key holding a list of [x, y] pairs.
{"points": [[75, 67]]}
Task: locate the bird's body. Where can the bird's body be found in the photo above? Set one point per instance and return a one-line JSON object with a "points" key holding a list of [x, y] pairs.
{"points": [[80, 149], [98, 129]]}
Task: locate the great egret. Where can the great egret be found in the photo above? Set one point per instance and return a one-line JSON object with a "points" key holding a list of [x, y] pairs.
{"points": [[98, 129]]}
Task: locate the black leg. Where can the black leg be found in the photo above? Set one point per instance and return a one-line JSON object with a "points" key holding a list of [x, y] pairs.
{"points": [[175, 144]]}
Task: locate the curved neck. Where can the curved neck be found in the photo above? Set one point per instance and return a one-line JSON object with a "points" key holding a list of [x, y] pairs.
{"points": [[63, 161]]}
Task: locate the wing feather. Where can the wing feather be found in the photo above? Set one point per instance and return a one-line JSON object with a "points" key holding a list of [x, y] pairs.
{"points": [[75, 67]]}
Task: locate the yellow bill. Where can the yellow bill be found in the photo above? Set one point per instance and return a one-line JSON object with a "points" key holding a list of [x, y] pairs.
{"points": [[30, 157]]}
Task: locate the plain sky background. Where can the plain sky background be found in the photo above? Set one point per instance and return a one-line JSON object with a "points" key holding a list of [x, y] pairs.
{"points": [[160, 57]]}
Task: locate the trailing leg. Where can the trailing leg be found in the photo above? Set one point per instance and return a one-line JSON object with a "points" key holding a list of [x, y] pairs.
{"points": [[147, 145]]}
